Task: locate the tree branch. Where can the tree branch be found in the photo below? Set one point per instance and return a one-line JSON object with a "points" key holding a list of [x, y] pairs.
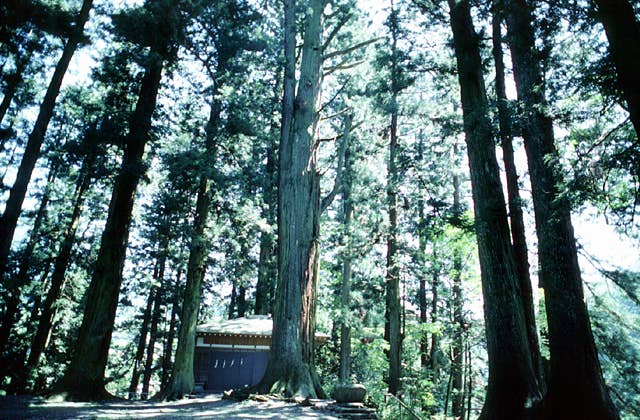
{"points": [[351, 48]]}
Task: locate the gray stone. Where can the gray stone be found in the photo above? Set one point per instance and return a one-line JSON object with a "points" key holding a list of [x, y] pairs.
{"points": [[347, 393]]}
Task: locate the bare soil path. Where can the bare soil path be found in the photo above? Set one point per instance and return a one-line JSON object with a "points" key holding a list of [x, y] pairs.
{"points": [[209, 407]]}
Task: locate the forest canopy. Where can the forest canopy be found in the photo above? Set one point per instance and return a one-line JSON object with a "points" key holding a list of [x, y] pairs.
{"points": [[447, 190]]}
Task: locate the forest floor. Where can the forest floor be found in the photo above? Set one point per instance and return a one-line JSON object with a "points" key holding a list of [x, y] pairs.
{"points": [[210, 407]]}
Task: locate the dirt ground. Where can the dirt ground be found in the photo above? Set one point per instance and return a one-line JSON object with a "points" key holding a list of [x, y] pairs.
{"points": [[209, 407]]}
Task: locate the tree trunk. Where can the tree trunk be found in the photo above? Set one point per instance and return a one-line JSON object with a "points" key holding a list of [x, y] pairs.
{"points": [[13, 206], [457, 344], [576, 386], [168, 348], [518, 234], [512, 390], [13, 80], [142, 341], [267, 270], [347, 257], [181, 382], [623, 33], [434, 353], [290, 370], [58, 278], [84, 379], [153, 332], [14, 285], [392, 310]]}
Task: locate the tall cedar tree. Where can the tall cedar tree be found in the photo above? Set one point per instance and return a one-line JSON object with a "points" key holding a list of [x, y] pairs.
{"points": [[290, 370], [623, 33], [516, 219], [84, 378], [392, 311], [13, 206], [228, 42], [513, 390], [576, 386]]}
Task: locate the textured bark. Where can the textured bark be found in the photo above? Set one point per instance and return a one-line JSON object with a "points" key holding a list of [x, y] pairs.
{"points": [[13, 206], [512, 390], [576, 386], [84, 379], [142, 341], [518, 235], [623, 33], [290, 370]]}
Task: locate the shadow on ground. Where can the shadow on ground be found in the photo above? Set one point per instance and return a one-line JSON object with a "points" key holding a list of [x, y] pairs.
{"points": [[210, 407]]}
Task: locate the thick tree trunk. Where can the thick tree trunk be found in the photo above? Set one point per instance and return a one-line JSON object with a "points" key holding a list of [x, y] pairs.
{"points": [[513, 390], [45, 321], [142, 342], [576, 386], [290, 370], [623, 33], [84, 379], [518, 235], [13, 206]]}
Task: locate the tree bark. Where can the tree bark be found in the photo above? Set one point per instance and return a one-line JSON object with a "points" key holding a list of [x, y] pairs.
{"points": [[518, 234], [512, 390], [84, 379], [13, 206], [576, 386], [623, 33], [290, 370]]}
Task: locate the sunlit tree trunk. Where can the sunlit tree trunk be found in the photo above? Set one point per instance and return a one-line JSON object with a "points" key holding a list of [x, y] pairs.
{"points": [[457, 344], [290, 370]]}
